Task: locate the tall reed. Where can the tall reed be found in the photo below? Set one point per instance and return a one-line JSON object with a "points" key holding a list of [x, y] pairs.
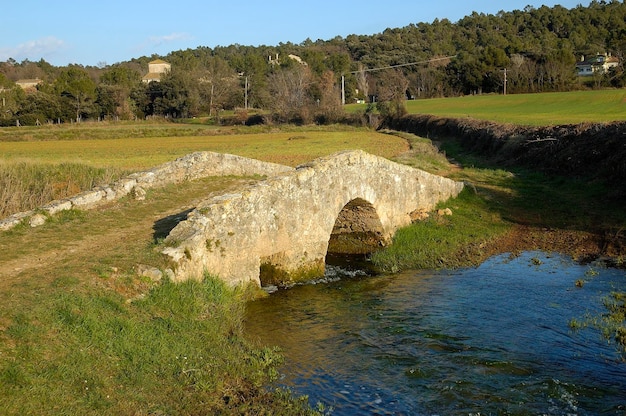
{"points": [[28, 185]]}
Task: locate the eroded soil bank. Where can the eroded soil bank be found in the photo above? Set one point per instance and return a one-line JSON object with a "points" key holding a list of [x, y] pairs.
{"points": [[593, 153]]}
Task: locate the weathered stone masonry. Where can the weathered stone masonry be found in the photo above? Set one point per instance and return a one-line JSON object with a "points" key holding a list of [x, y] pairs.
{"points": [[285, 222], [281, 225]]}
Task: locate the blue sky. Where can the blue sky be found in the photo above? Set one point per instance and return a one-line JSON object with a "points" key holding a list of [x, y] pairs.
{"points": [[93, 33]]}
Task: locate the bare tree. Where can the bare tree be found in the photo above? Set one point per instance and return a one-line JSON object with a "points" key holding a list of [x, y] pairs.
{"points": [[217, 83], [289, 91], [392, 86], [329, 106], [362, 82]]}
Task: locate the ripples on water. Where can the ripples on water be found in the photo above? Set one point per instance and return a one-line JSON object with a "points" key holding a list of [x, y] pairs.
{"points": [[488, 340]]}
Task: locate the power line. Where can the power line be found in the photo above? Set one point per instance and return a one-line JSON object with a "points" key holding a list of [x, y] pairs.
{"points": [[400, 65], [343, 81]]}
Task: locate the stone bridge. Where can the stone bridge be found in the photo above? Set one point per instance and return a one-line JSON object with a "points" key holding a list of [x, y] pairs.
{"points": [[279, 230]]}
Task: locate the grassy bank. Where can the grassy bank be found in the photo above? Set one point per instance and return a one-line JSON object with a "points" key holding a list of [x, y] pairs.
{"points": [[178, 350], [442, 241], [81, 332], [558, 213]]}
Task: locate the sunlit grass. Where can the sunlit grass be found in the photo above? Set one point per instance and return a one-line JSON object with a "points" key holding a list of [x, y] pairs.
{"points": [[179, 350], [25, 186], [436, 242], [286, 147], [539, 109]]}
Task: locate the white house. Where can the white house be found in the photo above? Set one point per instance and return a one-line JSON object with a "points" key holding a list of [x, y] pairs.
{"points": [[599, 64], [28, 84]]}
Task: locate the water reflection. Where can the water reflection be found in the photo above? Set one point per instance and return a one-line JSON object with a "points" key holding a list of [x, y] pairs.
{"points": [[494, 339]]}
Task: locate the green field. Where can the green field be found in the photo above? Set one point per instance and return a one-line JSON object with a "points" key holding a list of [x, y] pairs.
{"points": [[290, 147], [39, 164], [528, 109]]}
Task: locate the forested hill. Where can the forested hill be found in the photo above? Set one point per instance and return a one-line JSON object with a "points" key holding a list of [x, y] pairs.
{"points": [[538, 48]]}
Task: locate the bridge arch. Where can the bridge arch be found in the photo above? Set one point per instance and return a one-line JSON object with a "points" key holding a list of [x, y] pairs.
{"points": [[357, 229], [279, 230]]}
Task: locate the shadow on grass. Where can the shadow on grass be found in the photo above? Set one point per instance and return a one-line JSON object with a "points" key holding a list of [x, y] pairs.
{"points": [[165, 225], [535, 199]]}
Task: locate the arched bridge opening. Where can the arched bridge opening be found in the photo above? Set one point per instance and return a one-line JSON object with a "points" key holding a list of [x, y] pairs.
{"points": [[357, 232], [357, 229]]}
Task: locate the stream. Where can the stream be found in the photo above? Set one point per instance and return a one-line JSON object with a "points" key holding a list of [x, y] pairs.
{"points": [[495, 339]]}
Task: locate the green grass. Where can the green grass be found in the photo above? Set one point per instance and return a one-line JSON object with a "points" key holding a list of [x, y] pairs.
{"points": [[440, 241], [611, 324], [136, 153], [180, 350], [527, 109], [422, 154]]}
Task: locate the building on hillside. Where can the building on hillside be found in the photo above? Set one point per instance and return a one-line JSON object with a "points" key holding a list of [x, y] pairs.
{"points": [[156, 69], [28, 84], [298, 59], [598, 64], [275, 61]]}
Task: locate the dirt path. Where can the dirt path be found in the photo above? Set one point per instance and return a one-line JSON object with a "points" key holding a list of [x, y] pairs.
{"points": [[107, 242]]}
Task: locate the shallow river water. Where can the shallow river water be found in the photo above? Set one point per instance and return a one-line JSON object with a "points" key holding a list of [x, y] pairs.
{"points": [[492, 340]]}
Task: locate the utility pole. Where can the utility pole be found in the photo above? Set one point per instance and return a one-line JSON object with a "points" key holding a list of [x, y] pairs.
{"points": [[246, 94], [504, 81], [343, 89]]}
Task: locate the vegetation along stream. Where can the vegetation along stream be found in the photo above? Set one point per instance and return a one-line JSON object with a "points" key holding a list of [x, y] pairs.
{"points": [[501, 338]]}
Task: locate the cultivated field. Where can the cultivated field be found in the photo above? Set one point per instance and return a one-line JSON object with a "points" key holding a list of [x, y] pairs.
{"points": [[102, 145], [528, 109], [39, 164]]}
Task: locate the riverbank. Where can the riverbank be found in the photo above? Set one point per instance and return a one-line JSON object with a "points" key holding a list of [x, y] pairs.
{"points": [[561, 188], [528, 189]]}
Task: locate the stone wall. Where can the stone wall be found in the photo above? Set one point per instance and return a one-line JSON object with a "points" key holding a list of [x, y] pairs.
{"points": [[284, 224], [193, 166]]}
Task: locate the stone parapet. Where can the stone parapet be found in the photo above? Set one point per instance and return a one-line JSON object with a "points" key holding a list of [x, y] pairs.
{"points": [[193, 166]]}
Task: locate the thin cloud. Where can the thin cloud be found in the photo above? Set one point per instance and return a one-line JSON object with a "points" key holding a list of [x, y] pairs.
{"points": [[160, 40], [156, 41], [33, 49]]}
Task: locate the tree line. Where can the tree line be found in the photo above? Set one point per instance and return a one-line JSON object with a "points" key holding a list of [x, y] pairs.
{"points": [[538, 48]]}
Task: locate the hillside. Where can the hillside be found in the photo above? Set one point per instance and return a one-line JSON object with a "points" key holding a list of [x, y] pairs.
{"points": [[538, 48]]}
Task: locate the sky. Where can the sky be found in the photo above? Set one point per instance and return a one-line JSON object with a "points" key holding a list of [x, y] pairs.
{"points": [[112, 31]]}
